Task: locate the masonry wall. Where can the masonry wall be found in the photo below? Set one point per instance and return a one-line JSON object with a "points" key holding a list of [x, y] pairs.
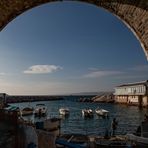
{"points": [[134, 13], [133, 100], [121, 99], [145, 101]]}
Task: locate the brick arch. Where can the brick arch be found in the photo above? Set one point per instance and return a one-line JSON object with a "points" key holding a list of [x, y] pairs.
{"points": [[134, 13]]}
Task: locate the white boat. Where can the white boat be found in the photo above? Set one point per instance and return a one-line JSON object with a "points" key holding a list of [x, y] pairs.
{"points": [[102, 112], [40, 110], [87, 113], [27, 111], [64, 111]]}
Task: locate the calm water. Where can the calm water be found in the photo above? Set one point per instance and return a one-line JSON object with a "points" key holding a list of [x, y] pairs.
{"points": [[128, 117]]}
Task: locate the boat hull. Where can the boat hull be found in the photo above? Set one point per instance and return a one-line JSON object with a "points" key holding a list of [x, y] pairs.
{"points": [[102, 112], [87, 113], [111, 143], [26, 113], [40, 110], [64, 112]]}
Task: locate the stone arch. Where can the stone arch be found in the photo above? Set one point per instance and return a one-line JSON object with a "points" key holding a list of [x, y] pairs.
{"points": [[134, 13]]}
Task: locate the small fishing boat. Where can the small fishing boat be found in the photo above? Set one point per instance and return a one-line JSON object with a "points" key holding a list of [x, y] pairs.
{"points": [[40, 110], [88, 113], [112, 142], [140, 138], [102, 112], [13, 108], [64, 111], [73, 141], [50, 125], [27, 111]]}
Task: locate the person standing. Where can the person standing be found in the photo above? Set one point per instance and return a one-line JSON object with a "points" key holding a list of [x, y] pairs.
{"points": [[114, 126], [146, 117]]}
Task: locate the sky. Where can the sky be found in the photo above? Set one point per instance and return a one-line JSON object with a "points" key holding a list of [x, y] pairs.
{"points": [[68, 47]]}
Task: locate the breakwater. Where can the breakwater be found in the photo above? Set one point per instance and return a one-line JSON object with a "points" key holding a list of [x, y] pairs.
{"points": [[18, 99]]}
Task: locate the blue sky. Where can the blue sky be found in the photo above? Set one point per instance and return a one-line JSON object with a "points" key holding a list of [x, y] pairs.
{"points": [[68, 47]]}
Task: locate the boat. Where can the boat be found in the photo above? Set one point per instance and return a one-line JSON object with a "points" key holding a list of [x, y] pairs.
{"points": [[112, 142], [102, 112], [73, 141], [27, 111], [64, 111], [88, 113], [40, 110], [13, 108], [140, 138], [50, 125]]}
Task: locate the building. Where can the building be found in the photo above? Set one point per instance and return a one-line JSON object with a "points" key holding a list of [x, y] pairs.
{"points": [[132, 93]]}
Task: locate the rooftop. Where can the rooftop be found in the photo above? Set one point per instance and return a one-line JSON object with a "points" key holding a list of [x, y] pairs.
{"points": [[134, 83]]}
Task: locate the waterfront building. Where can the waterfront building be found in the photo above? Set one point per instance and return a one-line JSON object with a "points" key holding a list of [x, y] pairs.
{"points": [[132, 93]]}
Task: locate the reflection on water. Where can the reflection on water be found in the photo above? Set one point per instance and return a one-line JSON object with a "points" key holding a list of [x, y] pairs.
{"points": [[129, 117]]}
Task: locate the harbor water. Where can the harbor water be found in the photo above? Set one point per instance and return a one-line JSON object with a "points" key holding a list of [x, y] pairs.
{"points": [[128, 117]]}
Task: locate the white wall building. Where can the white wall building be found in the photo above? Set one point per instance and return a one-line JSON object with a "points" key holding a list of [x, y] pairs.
{"points": [[132, 93]]}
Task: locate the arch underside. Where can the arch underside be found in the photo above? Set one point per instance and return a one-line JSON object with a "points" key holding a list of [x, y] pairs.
{"points": [[134, 13]]}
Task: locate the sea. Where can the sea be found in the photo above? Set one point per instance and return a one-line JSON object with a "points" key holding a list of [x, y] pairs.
{"points": [[128, 117]]}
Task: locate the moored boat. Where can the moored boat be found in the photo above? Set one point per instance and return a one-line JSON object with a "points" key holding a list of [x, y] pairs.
{"points": [[64, 111], [102, 112], [73, 141], [140, 138], [27, 111], [112, 142], [13, 108], [87, 113], [51, 125], [40, 110]]}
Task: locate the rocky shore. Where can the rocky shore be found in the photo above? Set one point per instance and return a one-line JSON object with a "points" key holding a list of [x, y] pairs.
{"points": [[103, 97]]}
